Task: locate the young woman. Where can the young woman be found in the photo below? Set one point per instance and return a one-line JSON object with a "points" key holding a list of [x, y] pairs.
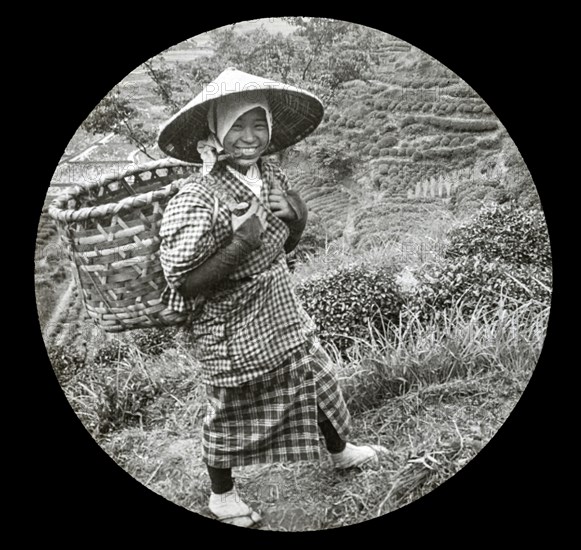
{"points": [[224, 238]]}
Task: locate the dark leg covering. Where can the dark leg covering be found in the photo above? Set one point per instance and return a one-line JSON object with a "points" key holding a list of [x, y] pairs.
{"points": [[221, 479], [333, 441]]}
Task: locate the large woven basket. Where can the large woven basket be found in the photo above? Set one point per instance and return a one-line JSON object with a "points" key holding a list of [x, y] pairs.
{"points": [[111, 231]]}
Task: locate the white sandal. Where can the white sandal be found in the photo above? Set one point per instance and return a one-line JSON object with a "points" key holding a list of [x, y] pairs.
{"points": [[229, 508], [353, 455]]}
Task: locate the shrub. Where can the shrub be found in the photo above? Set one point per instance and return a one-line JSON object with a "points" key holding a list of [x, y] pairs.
{"points": [[346, 301], [379, 104], [506, 233], [155, 340], [387, 141], [383, 169], [374, 151], [500, 255], [66, 362], [488, 143], [472, 282], [111, 352]]}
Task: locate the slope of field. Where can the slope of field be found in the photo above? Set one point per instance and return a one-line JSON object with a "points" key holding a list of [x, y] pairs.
{"points": [[393, 154], [400, 155]]}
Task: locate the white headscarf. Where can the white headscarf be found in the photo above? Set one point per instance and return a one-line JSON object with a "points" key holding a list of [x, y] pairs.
{"points": [[222, 115]]}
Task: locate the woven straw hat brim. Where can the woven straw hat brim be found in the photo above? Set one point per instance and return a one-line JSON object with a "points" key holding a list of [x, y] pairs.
{"points": [[296, 113]]}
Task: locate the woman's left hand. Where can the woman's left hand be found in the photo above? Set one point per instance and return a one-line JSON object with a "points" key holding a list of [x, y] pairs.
{"points": [[280, 206]]}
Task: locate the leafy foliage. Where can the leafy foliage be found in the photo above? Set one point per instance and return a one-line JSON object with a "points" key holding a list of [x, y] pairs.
{"points": [[472, 282], [501, 255], [346, 302], [114, 113], [336, 159], [506, 233], [153, 341], [65, 361], [110, 352]]}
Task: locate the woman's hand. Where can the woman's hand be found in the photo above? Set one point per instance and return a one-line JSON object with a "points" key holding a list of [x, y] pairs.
{"points": [[280, 205], [250, 225]]}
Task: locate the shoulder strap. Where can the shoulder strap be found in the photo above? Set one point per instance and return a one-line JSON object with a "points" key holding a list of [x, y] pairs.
{"points": [[215, 213]]}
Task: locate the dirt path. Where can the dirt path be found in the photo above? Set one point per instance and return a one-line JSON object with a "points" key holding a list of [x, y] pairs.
{"points": [[89, 149], [54, 323]]}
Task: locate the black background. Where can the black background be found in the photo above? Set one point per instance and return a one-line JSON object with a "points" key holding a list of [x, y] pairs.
{"points": [[513, 489]]}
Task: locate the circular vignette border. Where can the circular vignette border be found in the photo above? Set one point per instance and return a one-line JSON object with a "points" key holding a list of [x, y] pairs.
{"points": [[83, 62]]}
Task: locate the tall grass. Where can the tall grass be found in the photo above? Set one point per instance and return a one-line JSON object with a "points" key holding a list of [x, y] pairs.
{"points": [[433, 393], [130, 388], [414, 355]]}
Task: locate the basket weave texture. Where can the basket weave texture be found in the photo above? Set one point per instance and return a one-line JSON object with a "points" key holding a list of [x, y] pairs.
{"points": [[111, 232]]}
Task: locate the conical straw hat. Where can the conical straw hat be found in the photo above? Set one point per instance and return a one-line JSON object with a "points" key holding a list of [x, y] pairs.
{"points": [[295, 114]]}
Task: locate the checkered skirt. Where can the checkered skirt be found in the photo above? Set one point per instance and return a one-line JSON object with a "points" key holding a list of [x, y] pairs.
{"points": [[274, 418]]}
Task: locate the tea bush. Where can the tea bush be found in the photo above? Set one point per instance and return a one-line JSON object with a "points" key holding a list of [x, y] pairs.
{"points": [[112, 351], [344, 302], [500, 255], [506, 233], [474, 282], [155, 340], [387, 141], [65, 361]]}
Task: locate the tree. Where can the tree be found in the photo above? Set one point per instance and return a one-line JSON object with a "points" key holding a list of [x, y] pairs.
{"points": [[114, 114]]}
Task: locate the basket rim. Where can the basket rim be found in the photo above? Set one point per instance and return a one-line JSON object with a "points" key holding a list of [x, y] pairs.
{"points": [[57, 211]]}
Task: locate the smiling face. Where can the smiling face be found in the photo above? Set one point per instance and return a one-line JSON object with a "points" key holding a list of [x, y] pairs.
{"points": [[248, 137]]}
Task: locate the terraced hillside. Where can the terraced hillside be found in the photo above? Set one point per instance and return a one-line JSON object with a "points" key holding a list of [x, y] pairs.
{"points": [[399, 147], [409, 140], [330, 204]]}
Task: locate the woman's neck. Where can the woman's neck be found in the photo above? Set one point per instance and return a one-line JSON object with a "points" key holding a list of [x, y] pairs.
{"points": [[242, 168]]}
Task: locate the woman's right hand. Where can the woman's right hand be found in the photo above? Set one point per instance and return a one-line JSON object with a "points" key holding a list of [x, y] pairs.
{"points": [[249, 226]]}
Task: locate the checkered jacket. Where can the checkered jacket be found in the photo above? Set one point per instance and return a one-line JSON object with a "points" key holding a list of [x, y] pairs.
{"points": [[254, 321]]}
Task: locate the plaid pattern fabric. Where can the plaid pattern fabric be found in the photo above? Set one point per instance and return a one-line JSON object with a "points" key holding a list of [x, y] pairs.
{"points": [[255, 321], [274, 417]]}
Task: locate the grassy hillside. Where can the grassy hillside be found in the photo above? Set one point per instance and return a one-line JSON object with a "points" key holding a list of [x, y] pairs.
{"points": [[434, 339]]}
